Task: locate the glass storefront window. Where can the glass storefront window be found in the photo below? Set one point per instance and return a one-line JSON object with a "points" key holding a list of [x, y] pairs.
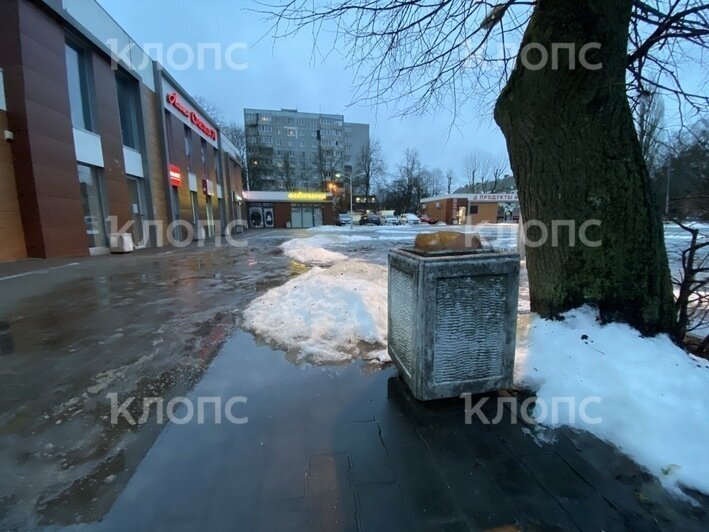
{"points": [[188, 147], [210, 218], [77, 78], [128, 108], [92, 199]]}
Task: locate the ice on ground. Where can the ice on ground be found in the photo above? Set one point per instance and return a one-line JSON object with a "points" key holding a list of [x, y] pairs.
{"points": [[648, 397], [327, 314]]}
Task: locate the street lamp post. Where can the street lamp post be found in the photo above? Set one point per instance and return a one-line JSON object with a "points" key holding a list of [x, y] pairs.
{"points": [[351, 178], [351, 193]]}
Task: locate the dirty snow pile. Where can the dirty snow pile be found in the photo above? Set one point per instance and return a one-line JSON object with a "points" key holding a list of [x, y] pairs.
{"points": [[326, 314], [309, 251], [654, 397], [312, 250]]}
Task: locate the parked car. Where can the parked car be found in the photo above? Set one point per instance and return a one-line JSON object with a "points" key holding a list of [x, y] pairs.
{"points": [[409, 219], [370, 218], [390, 219], [343, 219], [425, 219]]}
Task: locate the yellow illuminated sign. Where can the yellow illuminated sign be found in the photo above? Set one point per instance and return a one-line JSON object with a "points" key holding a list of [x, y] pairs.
{"points": [[312, 196]]}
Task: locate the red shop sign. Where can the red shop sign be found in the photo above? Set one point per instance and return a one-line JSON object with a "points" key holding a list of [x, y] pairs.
{"points": [[174, 100], [175, 175]]}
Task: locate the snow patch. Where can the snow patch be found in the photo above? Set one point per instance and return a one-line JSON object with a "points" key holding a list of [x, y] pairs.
{"points": [[307, 251], [326, 314], [653, 395]]}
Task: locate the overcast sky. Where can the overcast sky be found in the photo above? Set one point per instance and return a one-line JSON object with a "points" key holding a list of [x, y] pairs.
{"points": [[285, 73]]}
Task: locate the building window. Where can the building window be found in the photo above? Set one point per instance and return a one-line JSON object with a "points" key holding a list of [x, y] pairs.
{"points": [[203, 156], [217, 167], [473, 209], [78, 81], [170, 138], [128, 109], [188, 147]]}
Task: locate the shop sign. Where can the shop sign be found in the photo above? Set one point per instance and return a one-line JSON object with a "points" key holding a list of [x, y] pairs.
{"points": [[307, 196], [494, 198], [175, 175], [174, 100], [207, 187]]}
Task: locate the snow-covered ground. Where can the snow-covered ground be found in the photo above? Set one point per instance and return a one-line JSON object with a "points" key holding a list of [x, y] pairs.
{"points": [[645, 395], [650, 396]]}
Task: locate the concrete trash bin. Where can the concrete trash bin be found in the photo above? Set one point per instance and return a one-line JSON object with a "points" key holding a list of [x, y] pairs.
{"points": [[452, 320]]}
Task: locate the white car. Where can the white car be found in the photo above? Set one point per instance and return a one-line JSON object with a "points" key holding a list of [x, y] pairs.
{"points": [[344, 219], [390, 219], [409, 219]]}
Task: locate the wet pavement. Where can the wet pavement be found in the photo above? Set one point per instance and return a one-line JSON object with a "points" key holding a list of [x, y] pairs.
{"points": [[324, 448], [143, 324], [347, 448]]}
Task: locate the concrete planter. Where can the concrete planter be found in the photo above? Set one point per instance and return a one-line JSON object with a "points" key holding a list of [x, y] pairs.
{"points": [[452, 320]]}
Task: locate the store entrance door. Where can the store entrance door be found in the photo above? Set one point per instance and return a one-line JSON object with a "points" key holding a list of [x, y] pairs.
{"points": [[137, 207], [210, 218]]}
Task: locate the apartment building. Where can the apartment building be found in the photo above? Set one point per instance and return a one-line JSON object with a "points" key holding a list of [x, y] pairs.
{"points": [[93, 140], [292, 150]]}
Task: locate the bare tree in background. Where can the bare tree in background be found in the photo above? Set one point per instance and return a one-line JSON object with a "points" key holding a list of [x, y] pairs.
{"points": [[213, 112], [649, 113], [483, 171], [683, 180], [229, 129], [498, 167], [369, 165], [327, 166], [411, 176], [569, 129], [286, 171], [476, 164], [435, 181], [692, 303], [450, 177]]}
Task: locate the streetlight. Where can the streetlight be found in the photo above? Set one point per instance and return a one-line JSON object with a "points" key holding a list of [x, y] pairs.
{"points": [[351, 177]]}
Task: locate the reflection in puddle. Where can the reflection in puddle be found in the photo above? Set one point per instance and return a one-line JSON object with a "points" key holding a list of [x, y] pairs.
{"points": [[6, 344]]}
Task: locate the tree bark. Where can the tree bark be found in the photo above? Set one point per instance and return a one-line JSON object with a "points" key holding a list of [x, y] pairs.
{"points": [[576, 156]]}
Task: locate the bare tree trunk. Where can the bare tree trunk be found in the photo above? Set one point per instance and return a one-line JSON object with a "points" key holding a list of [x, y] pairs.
{"points": [[575, 156], [687, 283]]}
